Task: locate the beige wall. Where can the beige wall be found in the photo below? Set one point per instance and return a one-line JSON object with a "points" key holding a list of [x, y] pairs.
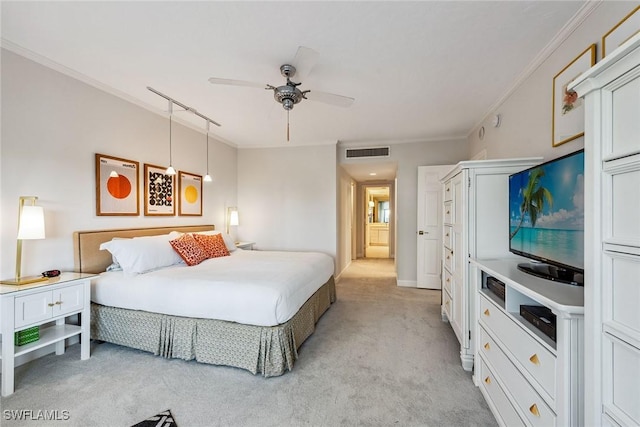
{"points": [[52, 125], [526, 114]]}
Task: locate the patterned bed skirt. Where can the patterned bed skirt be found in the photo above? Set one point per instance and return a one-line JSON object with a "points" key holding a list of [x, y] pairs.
{"points": [[267, 350]]}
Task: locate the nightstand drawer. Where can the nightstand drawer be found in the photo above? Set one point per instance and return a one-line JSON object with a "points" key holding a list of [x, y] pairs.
{"points": [[526, 398], [497, 396], [33, 308], [528, 353], [45, 305]]}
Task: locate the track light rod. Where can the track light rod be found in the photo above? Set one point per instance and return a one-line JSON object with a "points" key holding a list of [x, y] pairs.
{"points": [[191, 109]]}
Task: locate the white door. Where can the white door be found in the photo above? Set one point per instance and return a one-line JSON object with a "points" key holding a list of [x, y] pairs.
{"points": [[429, 226]]}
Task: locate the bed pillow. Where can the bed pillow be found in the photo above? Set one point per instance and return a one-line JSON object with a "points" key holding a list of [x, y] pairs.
{"points": [[189, 249], [228, 240], [213, 245], [143, 254]]}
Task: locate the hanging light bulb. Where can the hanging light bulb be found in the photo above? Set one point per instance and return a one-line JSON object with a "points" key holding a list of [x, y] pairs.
{"points": [[170, 170], [207, 177]]}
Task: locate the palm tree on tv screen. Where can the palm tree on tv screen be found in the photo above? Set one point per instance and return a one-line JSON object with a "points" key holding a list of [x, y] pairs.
{"points": [[533, 199]]}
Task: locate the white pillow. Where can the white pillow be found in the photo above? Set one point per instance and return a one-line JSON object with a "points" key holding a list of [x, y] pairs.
{"points": [[228, 240], [143, 254]]}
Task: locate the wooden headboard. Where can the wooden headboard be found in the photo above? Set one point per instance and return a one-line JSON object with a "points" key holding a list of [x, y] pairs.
{"points": [[87, 256]]}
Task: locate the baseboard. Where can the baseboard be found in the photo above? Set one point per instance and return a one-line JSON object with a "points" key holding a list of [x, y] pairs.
{"points": [[408, 283], [339, 275]]}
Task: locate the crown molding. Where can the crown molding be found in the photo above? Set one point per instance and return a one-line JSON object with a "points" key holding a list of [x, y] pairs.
{"points": [[383, 142], [578, 19]]}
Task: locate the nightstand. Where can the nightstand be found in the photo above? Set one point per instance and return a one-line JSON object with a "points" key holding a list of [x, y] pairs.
{"points": [[53, 300], [245, 245]]}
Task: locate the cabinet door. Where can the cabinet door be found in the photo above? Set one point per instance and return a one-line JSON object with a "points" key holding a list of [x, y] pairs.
{"points": [[33, 308], [458, 265], [68, 299]]}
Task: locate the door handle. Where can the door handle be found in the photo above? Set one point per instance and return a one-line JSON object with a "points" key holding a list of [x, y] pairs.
{"points": [[421, 232]]}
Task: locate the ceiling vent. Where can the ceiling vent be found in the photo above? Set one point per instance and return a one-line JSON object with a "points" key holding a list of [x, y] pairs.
{"points": [[353, 153]]}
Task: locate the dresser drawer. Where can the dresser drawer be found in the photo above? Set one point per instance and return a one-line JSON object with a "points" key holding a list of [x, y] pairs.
{"points": [[446, 304], [448, 259], [527, 352], [448, 212], [448, 193], [447, 237], [506, 413], [525, 397], [447, 281]]}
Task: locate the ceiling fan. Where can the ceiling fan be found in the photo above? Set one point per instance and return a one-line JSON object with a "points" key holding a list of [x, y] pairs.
{"points": [[288, 94]]}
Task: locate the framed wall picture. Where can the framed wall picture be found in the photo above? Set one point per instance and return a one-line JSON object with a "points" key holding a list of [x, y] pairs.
{"points": [[567, 122], [116, 186], [190, 190], [621, 32], [159, 191]]}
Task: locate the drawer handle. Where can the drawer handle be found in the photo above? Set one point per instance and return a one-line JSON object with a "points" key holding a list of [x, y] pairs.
{"points": [[534, 410], [448, 257], [58, 302], [448, 212], [448, 189], [50, 304], [448, 280], [487, 346], [447, 234], [534, 359], [486, 312], [487, 380]]}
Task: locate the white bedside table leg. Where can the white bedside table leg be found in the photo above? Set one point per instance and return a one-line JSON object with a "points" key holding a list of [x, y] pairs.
{"points": [[60, 344], [85, 322], [8, 350]]}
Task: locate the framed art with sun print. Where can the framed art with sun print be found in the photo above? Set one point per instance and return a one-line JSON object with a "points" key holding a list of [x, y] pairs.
{"points": [[567, 121], [159, 191], [190, 190], [116, 186]]}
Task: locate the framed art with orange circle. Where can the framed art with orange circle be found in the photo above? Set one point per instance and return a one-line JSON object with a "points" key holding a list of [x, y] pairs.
{"points": [[190, 190], [116, 186]]}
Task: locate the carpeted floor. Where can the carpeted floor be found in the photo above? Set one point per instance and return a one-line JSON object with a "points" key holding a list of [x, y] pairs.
{"points": [[380, 356]]}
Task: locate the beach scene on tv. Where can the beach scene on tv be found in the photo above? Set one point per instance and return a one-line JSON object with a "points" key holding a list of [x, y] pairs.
{"points": [[546, 211]]}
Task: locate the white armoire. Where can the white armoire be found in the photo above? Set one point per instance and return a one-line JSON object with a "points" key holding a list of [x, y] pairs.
{"points": [[611, 90], [476, 225]]}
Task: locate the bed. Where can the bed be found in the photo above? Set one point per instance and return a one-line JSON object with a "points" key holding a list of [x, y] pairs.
{"points": [[250, 310]]}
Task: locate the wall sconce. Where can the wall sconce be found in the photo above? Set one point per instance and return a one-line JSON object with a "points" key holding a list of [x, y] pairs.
{"points": [[30, 227], [232, 218]]}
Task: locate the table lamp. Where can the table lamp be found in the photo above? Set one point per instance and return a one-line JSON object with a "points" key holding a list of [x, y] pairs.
{"points": [[30, 227]]}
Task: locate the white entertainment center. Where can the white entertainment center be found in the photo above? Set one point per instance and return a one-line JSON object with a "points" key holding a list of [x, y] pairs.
{"points": [[526, 376]]}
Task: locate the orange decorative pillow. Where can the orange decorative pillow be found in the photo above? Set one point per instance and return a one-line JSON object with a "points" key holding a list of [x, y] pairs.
{"points": [[213, 245], [189, 249]]}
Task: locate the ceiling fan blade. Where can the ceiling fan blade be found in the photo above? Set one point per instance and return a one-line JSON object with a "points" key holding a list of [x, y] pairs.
{"points": [[231, 82], [329, 98], [304, 61]]}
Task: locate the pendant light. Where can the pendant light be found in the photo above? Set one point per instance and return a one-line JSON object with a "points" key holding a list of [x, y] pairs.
{"points": [[170, 170], [207, 177]]}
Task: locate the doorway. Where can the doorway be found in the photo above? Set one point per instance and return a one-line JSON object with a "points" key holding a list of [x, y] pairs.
{"points": [[377, 221]]}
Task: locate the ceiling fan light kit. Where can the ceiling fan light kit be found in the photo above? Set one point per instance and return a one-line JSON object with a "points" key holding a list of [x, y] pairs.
{"points": [[288, 95]]}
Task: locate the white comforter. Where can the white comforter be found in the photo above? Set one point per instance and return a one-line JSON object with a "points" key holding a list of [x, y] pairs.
{"points": [[263, 288]]}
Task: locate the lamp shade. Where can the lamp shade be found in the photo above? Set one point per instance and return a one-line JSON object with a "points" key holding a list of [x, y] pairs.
{"points": [[233, 217], [31, 223]]}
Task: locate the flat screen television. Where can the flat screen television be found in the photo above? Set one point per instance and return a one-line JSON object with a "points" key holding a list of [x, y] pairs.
{"points": [[546, 218]]}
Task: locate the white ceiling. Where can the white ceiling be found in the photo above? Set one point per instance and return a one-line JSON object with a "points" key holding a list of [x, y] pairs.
{"points": [[417, 70]]}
